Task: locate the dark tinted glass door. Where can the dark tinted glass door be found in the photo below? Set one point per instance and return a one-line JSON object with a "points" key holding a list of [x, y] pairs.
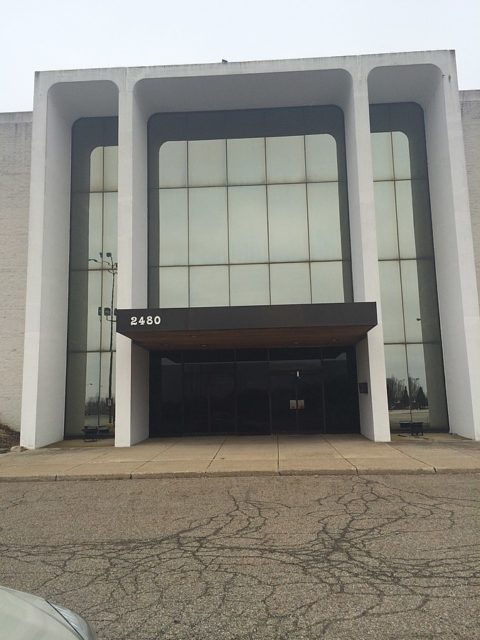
{"points": [[253, 392], [221, 392], [310, 398], [253, 407], [341, 399], [296, 391], [283, 397], [196, 401]]}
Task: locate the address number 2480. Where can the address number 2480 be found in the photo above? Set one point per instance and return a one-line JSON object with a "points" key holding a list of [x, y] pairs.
{"points": [[142, 320]]}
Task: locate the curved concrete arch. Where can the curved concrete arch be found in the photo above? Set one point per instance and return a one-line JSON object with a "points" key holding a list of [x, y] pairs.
{"points": [[255, 90], [434, 88], [57, 106], [403, 83]]}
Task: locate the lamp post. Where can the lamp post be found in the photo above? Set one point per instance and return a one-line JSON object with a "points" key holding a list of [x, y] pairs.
{"points": [[113, 270], [109, 313]]}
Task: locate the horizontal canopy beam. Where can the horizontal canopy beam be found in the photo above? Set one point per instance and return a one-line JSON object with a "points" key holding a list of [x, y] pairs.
{"points": [[340, 324]]}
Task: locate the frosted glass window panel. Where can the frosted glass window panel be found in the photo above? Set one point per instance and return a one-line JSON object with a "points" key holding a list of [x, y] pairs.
{"points": [[79, 232], [435, 386], [416, 369], [401, 156], [285, 159], [327, 282], [321, 157], [78, 311], [246, 161], [406, 228], [109, 286], [427, 286], [419, 201], [107, 388], [92, 389], [96, 169], [411, 301], [209, 287], [94, 300], [386, 218], [290, 283], [391, 298], [397, 384], [417, 383], [173, 226], [249, 284], [324, 221], [396, 368], [172, 164], [382, 156], [208, 234], [110, 206], [173, 287], [247, 218], [207, 164], [84, 299], [75, 394], [287, 220], [110, 169], [95, 222]]}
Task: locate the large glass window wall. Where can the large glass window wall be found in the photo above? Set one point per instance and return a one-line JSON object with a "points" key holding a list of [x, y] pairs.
{"points": [[90, 396], [248, 208], [414, 362]]}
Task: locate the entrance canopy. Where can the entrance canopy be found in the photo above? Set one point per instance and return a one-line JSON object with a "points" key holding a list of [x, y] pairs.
{"points": [[342, 324]]}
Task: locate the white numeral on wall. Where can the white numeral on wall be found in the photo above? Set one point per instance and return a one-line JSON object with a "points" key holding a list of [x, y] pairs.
{"points": [[149, 320]]}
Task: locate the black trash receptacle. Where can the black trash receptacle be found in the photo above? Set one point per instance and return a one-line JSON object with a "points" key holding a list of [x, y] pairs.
{"points": [[415, 428]]}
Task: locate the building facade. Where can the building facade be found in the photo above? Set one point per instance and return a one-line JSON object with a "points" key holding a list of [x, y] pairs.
{"points": [[283, 246]]}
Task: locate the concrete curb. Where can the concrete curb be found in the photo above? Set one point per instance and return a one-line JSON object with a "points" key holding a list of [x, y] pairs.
{"points": [[228, 474]]}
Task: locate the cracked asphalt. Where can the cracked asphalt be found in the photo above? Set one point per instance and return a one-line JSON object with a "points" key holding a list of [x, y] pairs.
{"points": [[267, 558]]}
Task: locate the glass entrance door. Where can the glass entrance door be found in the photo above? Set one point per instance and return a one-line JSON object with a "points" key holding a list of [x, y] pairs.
{"points": [[221, 393], [256, 391], [209, 394], [340, 388], [310, 399], [297, 396]]}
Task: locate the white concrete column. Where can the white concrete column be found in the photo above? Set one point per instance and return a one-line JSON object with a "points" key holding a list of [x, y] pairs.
{"points": [[455, 265], [44, 369], [132, 362], [374, 420]]}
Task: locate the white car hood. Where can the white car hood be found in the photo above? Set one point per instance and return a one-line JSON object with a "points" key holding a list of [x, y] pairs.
{"points": [[27, 617]]}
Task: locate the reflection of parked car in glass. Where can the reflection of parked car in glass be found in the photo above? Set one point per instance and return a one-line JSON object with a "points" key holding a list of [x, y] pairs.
{"points": [[24, 616]]}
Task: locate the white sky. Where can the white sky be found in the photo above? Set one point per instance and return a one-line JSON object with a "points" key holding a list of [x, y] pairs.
{"points": [[62, 34]]}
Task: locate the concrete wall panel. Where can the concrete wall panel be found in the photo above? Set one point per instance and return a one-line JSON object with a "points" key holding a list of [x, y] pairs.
{"points": [[15, 144], [470, 104]]}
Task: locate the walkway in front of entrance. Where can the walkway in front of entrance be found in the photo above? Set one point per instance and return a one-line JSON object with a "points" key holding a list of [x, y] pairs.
{"points": [[247, 455]]}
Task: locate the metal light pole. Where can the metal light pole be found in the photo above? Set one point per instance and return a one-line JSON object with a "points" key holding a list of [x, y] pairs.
{"points": [[113, 271], [109, 314]]}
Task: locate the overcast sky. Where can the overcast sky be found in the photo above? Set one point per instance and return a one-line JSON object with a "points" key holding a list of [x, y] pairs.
{"points": [[62, 34]]}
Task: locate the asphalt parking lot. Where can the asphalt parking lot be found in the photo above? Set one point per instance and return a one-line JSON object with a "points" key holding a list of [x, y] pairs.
{"points": [[277, 558]]}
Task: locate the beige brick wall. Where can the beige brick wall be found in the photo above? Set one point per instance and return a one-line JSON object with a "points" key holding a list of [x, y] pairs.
{"points": [[470, 101], [15, 142]]}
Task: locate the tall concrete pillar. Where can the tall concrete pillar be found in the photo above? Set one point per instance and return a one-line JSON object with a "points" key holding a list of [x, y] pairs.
{"points": [[132, 362], [374, 421], [453, 243], [46, 312]]}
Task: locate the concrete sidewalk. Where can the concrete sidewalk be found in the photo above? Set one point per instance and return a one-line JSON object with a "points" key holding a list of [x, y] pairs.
{"points": [[243, 455]]}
